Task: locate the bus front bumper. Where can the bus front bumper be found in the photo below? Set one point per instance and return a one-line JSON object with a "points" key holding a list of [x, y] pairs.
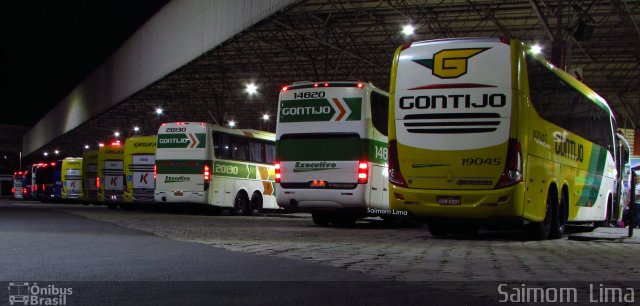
{"points": [[464, 204]]}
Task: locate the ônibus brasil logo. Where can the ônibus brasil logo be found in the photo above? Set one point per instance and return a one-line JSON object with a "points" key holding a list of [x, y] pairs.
{"points": [[450, 63], [314, 166]]}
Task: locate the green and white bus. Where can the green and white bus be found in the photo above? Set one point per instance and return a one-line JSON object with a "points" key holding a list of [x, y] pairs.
{"points": [[483, 129], [218, 167], [332, 151]]}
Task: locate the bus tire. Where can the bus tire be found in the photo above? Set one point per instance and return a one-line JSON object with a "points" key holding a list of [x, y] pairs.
{"points": [[437, 229], [255, 204], [320, 219], [240, 204], [541, 230], [559, 217]]}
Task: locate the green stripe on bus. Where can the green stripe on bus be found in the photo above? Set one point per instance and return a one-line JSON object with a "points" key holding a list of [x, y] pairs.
{"points": [[355, 104], [306, 110], [186, 140], [181, 166], [593, 180], [332, 149]]}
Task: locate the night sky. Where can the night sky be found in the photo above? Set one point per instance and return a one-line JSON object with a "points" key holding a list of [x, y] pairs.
{"points": [[47, 47]]}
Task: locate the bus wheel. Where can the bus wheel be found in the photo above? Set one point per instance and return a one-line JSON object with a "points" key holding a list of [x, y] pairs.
{"points": [[437, 229], [320, 219], [559, 219], [541, 230], [240, 204], [256, 204]]}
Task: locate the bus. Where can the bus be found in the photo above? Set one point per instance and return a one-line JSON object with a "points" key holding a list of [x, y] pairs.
{"points": [[89, 184], [215, 167], [331, 151], [139, 162], [19, 189], [110, 180], [485, 130], [44, 182], [71, 178]]}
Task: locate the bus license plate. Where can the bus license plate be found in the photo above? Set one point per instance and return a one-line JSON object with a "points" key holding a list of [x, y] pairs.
{"points": [[449, 200], [177, 193]]}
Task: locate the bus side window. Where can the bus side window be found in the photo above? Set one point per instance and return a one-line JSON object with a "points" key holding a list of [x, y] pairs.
{"points": [[239, 148], [257, 151], [221, 145], [270, 153], [379, 112]]}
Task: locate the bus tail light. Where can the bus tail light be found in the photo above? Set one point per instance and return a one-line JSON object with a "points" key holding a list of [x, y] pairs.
{"points": [[155, 171], [206, 173], [98, 182], [24, 190], [278, 174], [395, 177], [363, 172], [512, 173], [13, 189]]}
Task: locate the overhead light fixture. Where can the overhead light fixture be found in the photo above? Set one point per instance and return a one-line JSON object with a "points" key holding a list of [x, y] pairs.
{"points": [[86, 147], [252, 88], [46, 153], [232, 123], [159, 111], [135, 129], [536, 49], [265, 117], [56, 152], [408, 30], [116, 133]]}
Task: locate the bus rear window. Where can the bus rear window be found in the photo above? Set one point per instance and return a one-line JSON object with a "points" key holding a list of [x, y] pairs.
{"points": [[318, 147]]}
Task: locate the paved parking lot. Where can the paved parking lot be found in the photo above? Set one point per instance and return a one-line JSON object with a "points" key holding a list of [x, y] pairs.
{"points": [[408, 254]]}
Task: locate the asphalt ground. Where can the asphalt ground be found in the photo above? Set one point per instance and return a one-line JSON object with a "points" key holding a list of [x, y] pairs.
{"points": [[101, 263]]}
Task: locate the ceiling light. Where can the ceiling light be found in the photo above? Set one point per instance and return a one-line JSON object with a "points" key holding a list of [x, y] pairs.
{"points": [[135, 128], [159, 111], [265, 117], [232, 123], [536, 49], [251, 88], [408, 30]]}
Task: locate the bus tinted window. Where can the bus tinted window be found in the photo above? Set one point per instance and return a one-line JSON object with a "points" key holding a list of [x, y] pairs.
{"points": [[244, 149], [270, 153], [380, 112], [561, 104]]}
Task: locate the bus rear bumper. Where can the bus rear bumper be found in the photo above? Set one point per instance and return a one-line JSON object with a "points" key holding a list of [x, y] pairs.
{"points": [[321, 199], [199, 197], [460, 204]]}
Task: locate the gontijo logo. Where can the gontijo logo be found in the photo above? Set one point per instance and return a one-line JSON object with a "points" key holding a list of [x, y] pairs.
{"points": [[450, 63]]}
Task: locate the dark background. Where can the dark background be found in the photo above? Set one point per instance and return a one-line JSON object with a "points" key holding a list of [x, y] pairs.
{"points": [[47, 47]]}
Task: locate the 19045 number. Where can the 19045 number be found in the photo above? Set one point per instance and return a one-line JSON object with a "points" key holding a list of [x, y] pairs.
{"points": [[480, 161]]}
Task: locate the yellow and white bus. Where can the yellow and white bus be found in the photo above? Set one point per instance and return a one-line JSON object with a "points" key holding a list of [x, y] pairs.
{"points": [[482, 129], [90, 176], [110, 179], [332, 151], [139, 161], [218, 167], [71, 178]]}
